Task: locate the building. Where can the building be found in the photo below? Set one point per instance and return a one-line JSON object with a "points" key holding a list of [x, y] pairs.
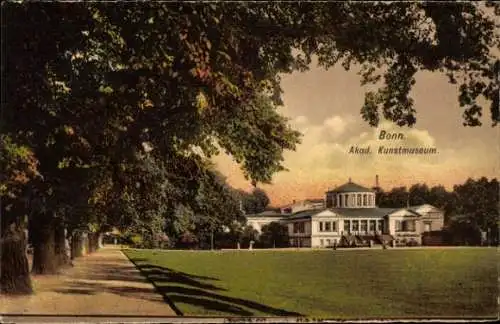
{"points": [[307, 204], [257, 221], [351, 217]]}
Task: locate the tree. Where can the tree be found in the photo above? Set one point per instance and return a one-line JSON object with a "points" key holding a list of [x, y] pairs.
{"points": [[255, 202], [396, 198], [19, 168], [418, 194], [248, 235], [217, 206], [261, 200], [477, 205], [274, 235], [187, 79], [443, 199]]}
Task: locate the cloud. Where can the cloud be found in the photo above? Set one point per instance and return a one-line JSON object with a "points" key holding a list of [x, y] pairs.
{"points": [[323, 160], [324, 155]]}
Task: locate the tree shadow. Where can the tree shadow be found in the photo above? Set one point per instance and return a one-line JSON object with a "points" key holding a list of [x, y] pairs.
{"points": [[112, 273], [180, 287], [159, 275], [149, 267], [76, 290], [93, 288], [217, 302]]}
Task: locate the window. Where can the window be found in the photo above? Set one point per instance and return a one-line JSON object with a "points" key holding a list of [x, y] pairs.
{"points": [[321, 226], [364, 226], [355, 225], [399, 226], [347, 226], [427, 226], [328, 227], [370, 200], [334, 227], [364, 200], [341, 200], [298, 227], [321, 242], [328, 242], [373, 225], [380, 225], [359, 200], [409, 226]]}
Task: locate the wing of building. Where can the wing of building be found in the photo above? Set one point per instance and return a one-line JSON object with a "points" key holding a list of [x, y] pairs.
{"points": [[349, 215]]}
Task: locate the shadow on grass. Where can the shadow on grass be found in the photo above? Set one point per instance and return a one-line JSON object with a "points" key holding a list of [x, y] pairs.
{"points": [[161, 275], [180, 287]]}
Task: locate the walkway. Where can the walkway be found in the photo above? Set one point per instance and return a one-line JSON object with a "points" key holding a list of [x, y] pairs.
{"points": [[104, 283]]}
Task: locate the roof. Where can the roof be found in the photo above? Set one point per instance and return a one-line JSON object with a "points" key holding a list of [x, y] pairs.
{"points": [[416, 207], [364, 212], [348, 212], [315, 200], [267, 213], [301, 202], [304, 213], [351, 187]]}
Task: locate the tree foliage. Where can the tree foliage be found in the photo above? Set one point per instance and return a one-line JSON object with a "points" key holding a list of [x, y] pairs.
{"points": [[274, 235], [478, 201], [254, 202], [110, 103]]}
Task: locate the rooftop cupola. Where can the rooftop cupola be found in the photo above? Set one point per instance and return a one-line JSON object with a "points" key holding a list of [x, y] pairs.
{"points": [[350, 195]]}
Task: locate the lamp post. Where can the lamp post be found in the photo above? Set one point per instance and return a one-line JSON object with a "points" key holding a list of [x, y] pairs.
{"points": [[212, 239]]}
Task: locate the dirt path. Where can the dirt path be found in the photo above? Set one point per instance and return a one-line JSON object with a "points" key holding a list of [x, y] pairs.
{"points": [[103, 283]]}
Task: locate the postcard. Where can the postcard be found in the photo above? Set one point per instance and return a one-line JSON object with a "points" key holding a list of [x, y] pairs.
{"points": [[281, 162]]}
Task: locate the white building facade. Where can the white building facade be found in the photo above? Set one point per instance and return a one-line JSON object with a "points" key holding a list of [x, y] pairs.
{"points": [[351, 215]]}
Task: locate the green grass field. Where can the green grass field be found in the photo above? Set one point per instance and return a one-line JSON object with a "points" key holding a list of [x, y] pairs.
{"points": [[415, 283]]}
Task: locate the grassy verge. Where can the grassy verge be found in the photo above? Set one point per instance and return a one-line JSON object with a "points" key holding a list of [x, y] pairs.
{"points": [[335, 284]]}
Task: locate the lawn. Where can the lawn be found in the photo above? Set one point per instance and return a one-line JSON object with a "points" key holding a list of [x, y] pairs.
{"points": [[411, 283]]}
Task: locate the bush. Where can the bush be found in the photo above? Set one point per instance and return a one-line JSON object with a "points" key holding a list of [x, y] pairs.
{"points": [[136, 240], [412, 243]]}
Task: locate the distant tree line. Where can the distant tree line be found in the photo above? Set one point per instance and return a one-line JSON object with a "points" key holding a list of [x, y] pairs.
{"points": [[470, 208]]}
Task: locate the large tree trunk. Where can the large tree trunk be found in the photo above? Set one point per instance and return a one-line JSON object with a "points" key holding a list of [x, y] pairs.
{"points": [[100, 245], [86, 244], [14, 268], [61, 252], [92, 242], [76, 245], [44, 254]]}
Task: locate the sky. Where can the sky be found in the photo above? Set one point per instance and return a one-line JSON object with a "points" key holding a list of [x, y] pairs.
{"points": [[324, 105]]}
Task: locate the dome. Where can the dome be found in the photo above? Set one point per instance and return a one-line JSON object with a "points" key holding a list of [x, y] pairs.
{"points": [[351, 187], [350, 195]]}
